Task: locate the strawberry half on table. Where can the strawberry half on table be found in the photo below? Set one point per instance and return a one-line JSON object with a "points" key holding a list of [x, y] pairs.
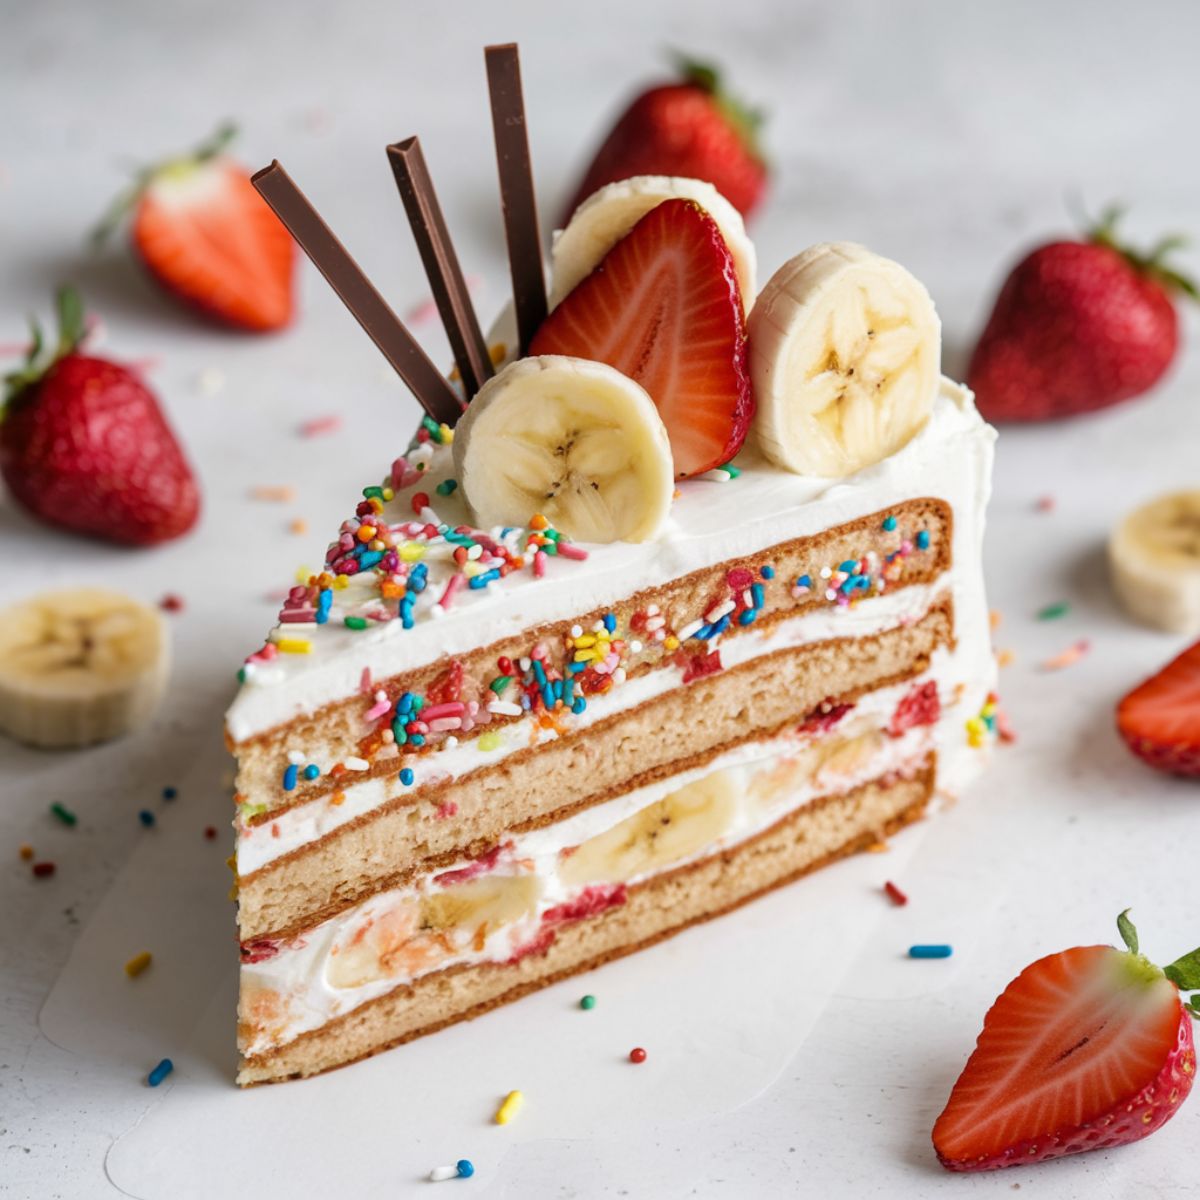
{"points": [[1160, 719], [1078, 326], [664, 307], [84, 445], [691, 128], [1086, 1049], [209, 238]]}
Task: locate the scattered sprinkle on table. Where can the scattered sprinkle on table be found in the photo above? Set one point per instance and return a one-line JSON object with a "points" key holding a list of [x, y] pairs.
{"points": [[63, 813], [1068, 657], [637, 1055], [281, 492], [210, 832], [146, 817], [929, 951], [509, 1108], [1053, 611], [994, 618], [297, 525], [894, 893], [465, 1167], [316, 426], [171, 603], [1044, 504], [1005, 658], [588, 1002], [169, 793], [43, 870], [160, 1072], [137, 964], [26, 851]]}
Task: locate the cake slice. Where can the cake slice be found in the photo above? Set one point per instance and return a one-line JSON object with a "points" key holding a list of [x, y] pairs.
{"points": [[493, 744]]}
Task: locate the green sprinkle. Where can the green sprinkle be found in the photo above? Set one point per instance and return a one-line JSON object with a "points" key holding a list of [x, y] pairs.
{"points": [[1053, 611], [64, 814], [373, 493], [446, 487], [552, 534], [252, 810], [356, 622], [500, 683], [588, 1003], [241, 675], [734, 472]]}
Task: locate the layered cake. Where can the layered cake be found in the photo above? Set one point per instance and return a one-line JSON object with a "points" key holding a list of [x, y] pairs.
{"points": [[672, 615]]}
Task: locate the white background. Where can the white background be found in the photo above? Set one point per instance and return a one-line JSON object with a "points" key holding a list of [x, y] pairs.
{"points": [[946, 135]]}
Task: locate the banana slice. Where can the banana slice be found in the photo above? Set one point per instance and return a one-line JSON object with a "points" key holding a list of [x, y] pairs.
{"points": [[672, 830], [78, 667], [574, 440], [845, 351], [1154, 560], [607, 215]]}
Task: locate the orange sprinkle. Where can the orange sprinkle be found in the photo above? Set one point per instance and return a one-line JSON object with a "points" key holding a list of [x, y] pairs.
{"points": [[298, 525], [994, 618], [270, 491], [1069, 657], [880, 847], [337, 770], [366, 533], [537, 521], [137, 964], [337, 798], [1005, 658], [26, 851]]}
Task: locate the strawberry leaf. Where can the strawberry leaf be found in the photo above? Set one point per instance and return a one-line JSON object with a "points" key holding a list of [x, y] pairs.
{"points": [[1184, 972], [1128, 932], [1193, 1006]]}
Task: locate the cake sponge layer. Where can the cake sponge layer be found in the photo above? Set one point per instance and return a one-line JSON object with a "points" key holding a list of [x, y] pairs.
{"points": [[818, 833], [532, 787]]}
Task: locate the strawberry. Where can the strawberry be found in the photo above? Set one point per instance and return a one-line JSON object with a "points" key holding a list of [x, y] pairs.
{"points": [[690, 127], [85, 446], [1076, 327], [1160, 719], [663, 306], [208, 237], [1086, 1049]]}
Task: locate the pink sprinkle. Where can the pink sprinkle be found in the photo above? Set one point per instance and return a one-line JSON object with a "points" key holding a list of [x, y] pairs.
{"points": [[566, 550], [445, 724], [378, 710], [454, 585], [426, 310], [452, 708], [1004, 727], [1044, 504], [364, 682], [539, 564], [1070, 656], [319, 425], [292, 615]]}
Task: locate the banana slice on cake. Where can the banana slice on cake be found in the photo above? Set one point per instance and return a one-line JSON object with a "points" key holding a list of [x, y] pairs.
{"points": [[608, 214], [80, 666], [574, 440], [1154, 560], [845, 356]]}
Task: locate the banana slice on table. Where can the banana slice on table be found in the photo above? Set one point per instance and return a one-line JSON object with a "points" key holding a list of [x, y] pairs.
{"points": [[571, 439], [79, 666], [607, 215], [1154, 560], [845, 357]]}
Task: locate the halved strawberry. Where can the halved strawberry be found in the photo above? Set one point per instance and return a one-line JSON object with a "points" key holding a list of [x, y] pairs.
{"points": [[207, 236], [664, 307], [1086, 1049], [1160, 719]]}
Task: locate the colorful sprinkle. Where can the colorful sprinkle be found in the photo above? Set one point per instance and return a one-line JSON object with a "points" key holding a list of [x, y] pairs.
{"points": [[588, 1002], [1068, 657], [316, 426], [64, 814], [929, 951], [170, 793], [1053, 611], [210, 832], [509, 1108], [43, 870], [406, 776], [896, 896], [26, 852], [160, 1072], [290, 775], [889, 523], [446, 487], [923, 540], [637, 1055], [289, 645], [465, 1167], [282, 493], [171, 603], [1044, 504], [146, 817], [137, 964]]}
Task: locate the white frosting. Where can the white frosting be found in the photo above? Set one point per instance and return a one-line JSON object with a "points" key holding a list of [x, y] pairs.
{"points": [[261, 844], [300, 970], [710, 523]]}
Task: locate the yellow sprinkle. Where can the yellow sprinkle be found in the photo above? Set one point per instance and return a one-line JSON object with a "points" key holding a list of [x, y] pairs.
{"points": [[497, 351], [471, 568], [388, 494], [994, 618], [377, 544], [671, 643], [454, 375], [446, 432], [288, 645], [341, 582], [584, 641], [490, 741], [880, 847], [582, 656], [988, 710], [510, 1108], [137, 964], [412, 552], [302, 574]]}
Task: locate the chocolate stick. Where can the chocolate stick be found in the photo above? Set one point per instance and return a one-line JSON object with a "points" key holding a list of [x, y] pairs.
{"points": [[516, 190], [441, 264], [358, 294]]}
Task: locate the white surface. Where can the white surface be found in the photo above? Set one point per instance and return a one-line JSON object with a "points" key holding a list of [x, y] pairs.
{"points": [[945, 136]]}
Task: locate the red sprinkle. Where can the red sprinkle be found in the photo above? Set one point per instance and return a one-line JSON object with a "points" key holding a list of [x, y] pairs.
{"points": [[171, 603], [897, 896], [210, 832], [44, 869], [420, 501], [637, 1055]]}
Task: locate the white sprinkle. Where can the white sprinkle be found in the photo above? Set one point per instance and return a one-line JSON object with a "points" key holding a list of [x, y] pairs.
{"points": [[437, 611], [576, 631], [450, 742], [693, 627], [653, 610], [381, 695], [599, 627], [660, 635], [826, 572], [356, 764], [388, 735], [619, 675], [715, 614], [525, 663], [655, 623], [210, 381], [441, 1174], [748, 598], [716, 476], [504, 708], [296, 757], [635, 647], [830, 594]]}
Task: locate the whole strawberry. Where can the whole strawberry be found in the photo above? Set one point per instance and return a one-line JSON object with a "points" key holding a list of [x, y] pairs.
{"points": [[85, 446], [1078, 326], [206, 235], [690, 128]]}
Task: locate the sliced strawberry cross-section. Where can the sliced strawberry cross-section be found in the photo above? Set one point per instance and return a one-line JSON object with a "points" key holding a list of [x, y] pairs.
{"points": [[1160, 719], [664, 308]]}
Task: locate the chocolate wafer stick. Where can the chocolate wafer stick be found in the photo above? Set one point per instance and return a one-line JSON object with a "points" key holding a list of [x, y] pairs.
{"points": [[516, 190], [441, 264], [358, 294]]}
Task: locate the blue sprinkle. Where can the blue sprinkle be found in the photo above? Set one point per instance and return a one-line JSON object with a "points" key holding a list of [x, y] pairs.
{"points": [[568, 692], [804, 581], [370, 558], [446, 487], [768, 572], [160, 1073], [756, 591], [721, 625], [322, 616], [466, 1168], [578, 705], [483, 579], [577, 668], [747, 617], [406, 776], [703, 633], [923, 540], [610, 622], [290, 774], [416, 739], [539, 672], [557, 687], [311, 771], [547, 695], [849, 566], [146, 817], [929, 951], [406, 618], [169, 793], [526, 703], [889, 523]]}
